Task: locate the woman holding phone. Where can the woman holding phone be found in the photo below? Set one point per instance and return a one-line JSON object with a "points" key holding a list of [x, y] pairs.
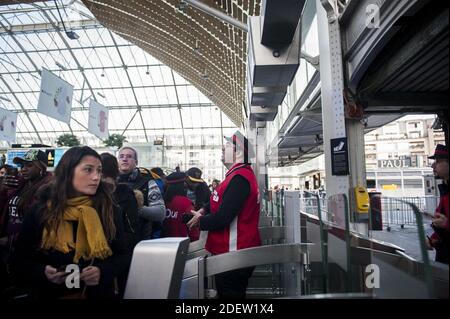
{"points": [[76, 231]]}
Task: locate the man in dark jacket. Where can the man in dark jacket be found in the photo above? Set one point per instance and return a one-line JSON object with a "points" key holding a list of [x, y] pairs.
{"points": [[439, 239], [154, 209]]}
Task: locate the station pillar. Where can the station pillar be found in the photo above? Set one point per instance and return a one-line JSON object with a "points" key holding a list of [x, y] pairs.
{"points": [[343, 138]]}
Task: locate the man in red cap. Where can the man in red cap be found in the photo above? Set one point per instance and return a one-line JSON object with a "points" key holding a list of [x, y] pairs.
{"points": [[234, 215], [439, 239]]}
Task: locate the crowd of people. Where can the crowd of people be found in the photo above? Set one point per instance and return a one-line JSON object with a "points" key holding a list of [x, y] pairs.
{"points": [[95, 208]]}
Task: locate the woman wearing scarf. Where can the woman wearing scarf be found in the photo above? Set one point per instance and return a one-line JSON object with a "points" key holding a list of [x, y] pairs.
{"points": [[77, 228]]}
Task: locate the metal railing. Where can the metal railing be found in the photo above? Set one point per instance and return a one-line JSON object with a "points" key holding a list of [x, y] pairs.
{"points": [[272, 207], [310, 203], [396, 211]]}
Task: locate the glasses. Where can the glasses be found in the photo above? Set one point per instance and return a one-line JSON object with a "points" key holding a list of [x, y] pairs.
{"points": [[127, 156]]}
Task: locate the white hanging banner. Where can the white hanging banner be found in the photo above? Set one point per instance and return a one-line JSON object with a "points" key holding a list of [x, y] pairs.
{"points": [[98, 120], [55, 99], [8, 124]]}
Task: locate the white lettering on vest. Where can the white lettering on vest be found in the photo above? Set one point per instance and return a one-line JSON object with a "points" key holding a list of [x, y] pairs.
{"points": [[171, 214]]}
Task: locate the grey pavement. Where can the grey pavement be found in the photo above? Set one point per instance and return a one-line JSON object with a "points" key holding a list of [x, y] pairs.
{"points": [[406, 238]]}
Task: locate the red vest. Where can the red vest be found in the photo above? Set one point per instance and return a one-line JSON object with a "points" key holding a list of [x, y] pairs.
{"points": [[173, 225], [243, 231]]}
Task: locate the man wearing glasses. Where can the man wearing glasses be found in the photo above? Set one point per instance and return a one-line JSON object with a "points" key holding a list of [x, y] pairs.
{"points": [[154, 209]]}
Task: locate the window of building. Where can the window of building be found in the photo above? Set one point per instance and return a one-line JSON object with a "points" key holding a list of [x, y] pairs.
{"points": [[412, 183], [412, 173], [390, 184], [389, 174]]}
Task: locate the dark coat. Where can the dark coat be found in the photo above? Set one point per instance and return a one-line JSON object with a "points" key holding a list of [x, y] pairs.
{"points": [[29, 261], [202, 195], [124, 197], [441, 234], [136, 180], [7, 193]]}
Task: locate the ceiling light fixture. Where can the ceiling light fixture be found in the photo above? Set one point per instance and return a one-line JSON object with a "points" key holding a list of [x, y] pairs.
{"points": [[181, 6], [62, 67], [196, 48], [5, 99], [70, 34]]}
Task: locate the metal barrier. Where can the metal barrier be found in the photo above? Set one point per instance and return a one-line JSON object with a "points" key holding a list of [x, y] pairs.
{"points": [[197, 248], [186, 271], [157, 268], [396, 211], [200, 268], [310, 203], [272, 208]]}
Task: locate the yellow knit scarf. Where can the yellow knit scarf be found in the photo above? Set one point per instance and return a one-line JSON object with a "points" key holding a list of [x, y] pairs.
{"points": [[90, 240]]}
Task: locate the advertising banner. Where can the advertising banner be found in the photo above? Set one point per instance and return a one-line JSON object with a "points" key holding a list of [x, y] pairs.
{"points": [[8, 124], [55, 99], [98, 120]]}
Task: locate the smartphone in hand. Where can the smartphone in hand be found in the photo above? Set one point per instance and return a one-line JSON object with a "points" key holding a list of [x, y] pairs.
{"points": [[186, 218], [10, 181], [63, 269]]}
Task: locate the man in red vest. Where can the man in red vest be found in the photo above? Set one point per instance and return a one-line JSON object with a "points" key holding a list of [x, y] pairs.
{"points": [[232, 215]]}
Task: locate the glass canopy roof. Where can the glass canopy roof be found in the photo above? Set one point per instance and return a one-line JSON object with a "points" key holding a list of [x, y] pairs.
{"points": [[146, 99]]}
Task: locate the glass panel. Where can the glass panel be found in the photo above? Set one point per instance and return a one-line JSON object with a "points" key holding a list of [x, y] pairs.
{"points": [[104, 77], [400, 226]]}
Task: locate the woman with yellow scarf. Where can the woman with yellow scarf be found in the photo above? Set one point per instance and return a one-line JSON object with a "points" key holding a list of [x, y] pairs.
{"points": [[71, 244]]}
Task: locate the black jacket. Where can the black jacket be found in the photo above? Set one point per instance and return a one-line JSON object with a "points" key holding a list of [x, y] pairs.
{"points": [[29, 261], [136, 180], [442, 246], [202, 195], [125, 198]]}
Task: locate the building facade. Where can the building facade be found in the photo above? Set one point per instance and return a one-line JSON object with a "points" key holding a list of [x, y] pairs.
{"points": [[396, 160]]}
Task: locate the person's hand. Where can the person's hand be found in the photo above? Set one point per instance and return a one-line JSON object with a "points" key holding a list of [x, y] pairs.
{"points": [[440, 221], [428, 243], [432, 242], [10, 181], [90, 275], [195, 220], [54, 276]]}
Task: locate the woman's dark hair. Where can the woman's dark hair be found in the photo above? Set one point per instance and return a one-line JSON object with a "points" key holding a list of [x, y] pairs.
{"points": [[202, 195], [173, 190], [110, 167], [175, 186], [62, 189]]}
